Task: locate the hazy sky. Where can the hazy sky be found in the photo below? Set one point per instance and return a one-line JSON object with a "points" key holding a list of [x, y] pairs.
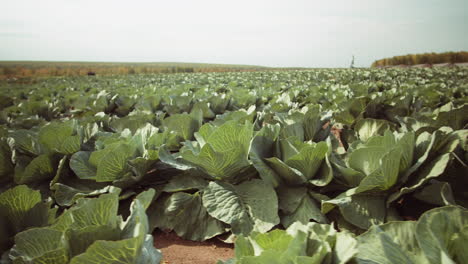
{"points": [[305, 33]]}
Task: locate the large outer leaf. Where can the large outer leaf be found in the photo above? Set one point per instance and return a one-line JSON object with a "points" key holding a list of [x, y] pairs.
{"points": [[424, 145], [325, 174], [438, 237], [370, 157], [70, 145], [79, 163], [19, 205], [40, 245], [287, 174], [456, 118], [309, 159], [89, 226], [290, 198], [183, 124], [90, 212], [223, 203], [288, 147], [81, 238], [366, 128], [137, 224], [204, 107], [406, 144], [392, 243], [37, 170], [136, 246], [225, 153], [297, 205], [348, 176], [325, 244], [220, 165], [427, 172], [231, 135], [66, 195], [185, 182], [436, 192], [353, 110], [362, 210], [273, 240], [290, 128], [243, 247], [113, 163], [184, 213], [173, 160], [59, 137], [307, 210], [303, 166], [366, 160], [345, 248], [251, 205], [442, 234], [385, 177], [275, 247], [263, 146], [127, 251], [241, 116], [25, 141], [53, 134], [312, 122], [205, 131]]}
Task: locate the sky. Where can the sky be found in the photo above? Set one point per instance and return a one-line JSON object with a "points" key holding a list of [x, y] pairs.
{"points": [[288, 33]]}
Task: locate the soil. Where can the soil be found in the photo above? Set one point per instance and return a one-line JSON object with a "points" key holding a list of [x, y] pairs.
{"points": [[176, 250], [335, 131]]}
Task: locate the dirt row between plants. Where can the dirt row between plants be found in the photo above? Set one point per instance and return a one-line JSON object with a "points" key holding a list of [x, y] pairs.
{"points": [[176, 250]]}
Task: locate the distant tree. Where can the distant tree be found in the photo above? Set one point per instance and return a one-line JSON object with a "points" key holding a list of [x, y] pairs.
{"points": [[426, 58]]}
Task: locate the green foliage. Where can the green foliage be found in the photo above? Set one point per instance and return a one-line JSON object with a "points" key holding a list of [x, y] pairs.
{"points": [[91, 232], [89, 167]]}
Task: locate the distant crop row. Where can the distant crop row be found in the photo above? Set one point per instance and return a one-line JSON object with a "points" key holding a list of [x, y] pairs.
{"points": [[31, 69]]}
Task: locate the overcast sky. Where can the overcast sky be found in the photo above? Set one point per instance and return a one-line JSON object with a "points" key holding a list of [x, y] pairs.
{"points": [[305, 33]]}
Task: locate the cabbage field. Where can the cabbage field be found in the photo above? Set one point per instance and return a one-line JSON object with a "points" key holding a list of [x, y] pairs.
{"points": [[308, 166]]}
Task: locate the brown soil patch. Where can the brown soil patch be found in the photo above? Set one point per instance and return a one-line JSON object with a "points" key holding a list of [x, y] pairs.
{"points": [[176, 250], [335, 131]]}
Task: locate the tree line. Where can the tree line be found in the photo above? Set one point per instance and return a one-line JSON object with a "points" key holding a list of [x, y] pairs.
{"points": [[425, 58]]}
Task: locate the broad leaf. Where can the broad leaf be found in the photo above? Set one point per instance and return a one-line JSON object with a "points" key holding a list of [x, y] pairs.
{"points": [[40, 245], [22, 207], [185, 214], [251, 205]]}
